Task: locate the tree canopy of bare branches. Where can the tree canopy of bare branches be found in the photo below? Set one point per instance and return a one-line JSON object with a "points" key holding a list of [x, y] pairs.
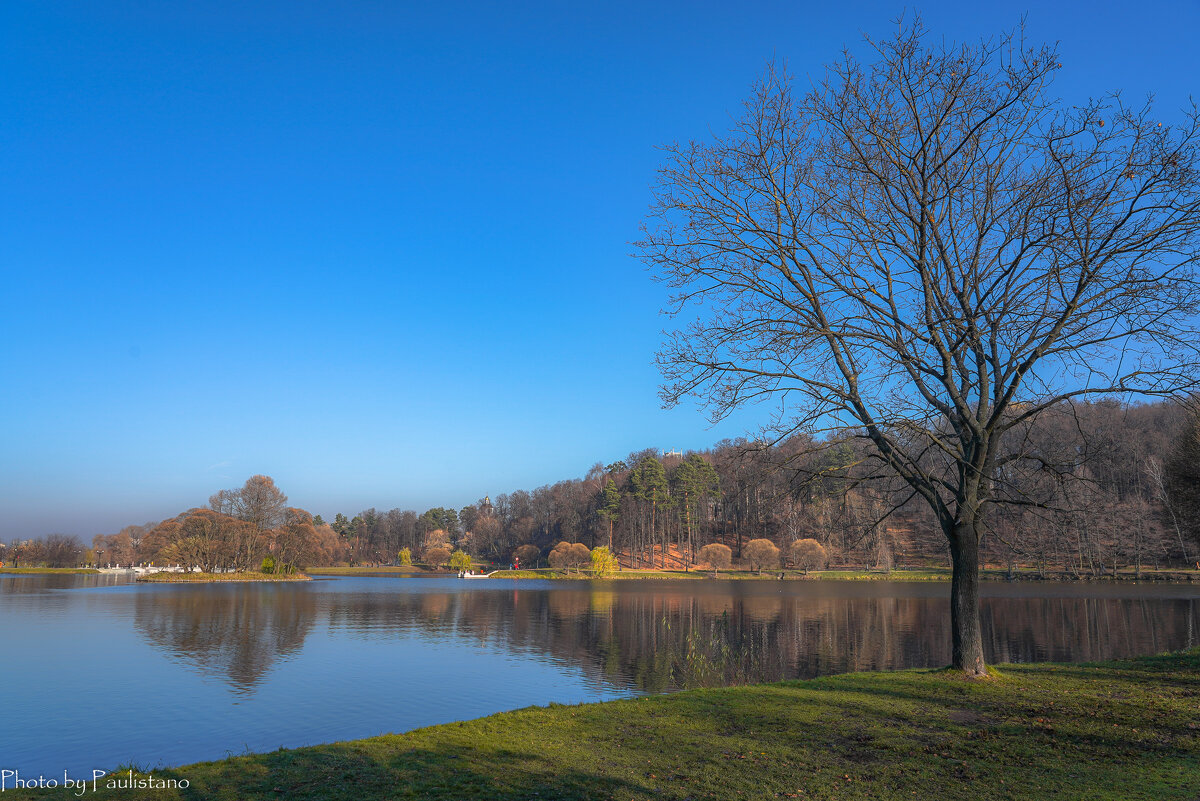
{"points": [[931, 250]]}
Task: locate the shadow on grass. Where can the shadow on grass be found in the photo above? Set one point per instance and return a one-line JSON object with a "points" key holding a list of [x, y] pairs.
{"points": [[381, 768], [1037, 731]]}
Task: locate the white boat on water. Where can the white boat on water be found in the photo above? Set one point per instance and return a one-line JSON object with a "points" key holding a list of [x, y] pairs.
{"points": [[470, 574]]}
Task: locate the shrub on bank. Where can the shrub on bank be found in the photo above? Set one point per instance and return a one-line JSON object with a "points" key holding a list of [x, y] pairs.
{"points": [[716, 556], [603, 562], [760, 554], [460, 560], [808, 554]]}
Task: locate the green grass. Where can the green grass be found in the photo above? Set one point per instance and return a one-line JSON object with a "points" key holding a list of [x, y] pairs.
{"points": [[896, 574], [48, 570], [1114, 730], [211, 578]]}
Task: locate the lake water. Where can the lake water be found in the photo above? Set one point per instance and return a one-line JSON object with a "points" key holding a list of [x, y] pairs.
{"points": [[96, 671]]}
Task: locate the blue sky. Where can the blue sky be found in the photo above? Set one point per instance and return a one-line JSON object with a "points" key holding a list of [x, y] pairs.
{"points": [[380, 251]]}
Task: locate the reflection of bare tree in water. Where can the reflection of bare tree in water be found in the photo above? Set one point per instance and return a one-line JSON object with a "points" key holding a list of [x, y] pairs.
{"points": [[233, 632], [655, 640], [1086, 629]]}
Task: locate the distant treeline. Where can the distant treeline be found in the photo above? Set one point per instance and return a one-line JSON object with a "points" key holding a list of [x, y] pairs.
{"points": [[1101, 486], [248, 528]]}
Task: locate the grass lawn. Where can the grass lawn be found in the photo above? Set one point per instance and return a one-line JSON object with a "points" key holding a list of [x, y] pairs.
{"points": [[896, 574], [1115, 730], [48, 570], [209, 578]]}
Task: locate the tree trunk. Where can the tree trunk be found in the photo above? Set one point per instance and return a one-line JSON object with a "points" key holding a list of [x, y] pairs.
{"points": [[966, 633]]}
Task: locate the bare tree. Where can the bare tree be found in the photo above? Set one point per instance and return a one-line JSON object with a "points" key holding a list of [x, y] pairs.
{"points": [[62, 550], [202, 538], [294, 544], [931, 250], [1181, 477], [260, 502]]}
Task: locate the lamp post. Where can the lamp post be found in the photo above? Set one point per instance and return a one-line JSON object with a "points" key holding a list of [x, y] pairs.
{"points": [[99, 553]]}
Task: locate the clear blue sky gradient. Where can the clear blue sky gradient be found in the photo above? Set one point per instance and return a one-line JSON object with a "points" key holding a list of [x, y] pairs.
{"points": [[380, 251]]}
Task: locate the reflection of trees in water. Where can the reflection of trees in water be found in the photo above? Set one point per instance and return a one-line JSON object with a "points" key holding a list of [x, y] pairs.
{"points": [[654, 640], [680, 641], [234, 632], [40, 589], [659, 640], [1086, 629]]}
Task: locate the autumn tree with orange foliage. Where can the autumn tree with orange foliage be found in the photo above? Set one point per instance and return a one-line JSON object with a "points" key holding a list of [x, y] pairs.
{"points": [[201, 538], [240, 529]]}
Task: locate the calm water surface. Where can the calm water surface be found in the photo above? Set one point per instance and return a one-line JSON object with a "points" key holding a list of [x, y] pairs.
{"points": [[96, 671]]}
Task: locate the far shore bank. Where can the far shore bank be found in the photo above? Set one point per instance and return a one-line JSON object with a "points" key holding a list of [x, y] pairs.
{"points": [[65, 570], [632, 574], [371, 570], [218, 578], [1124, 729], [837, 574], [697, 574]]}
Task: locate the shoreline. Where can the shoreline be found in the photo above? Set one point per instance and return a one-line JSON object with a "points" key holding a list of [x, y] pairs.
{"points": [[849, 574], [219, 578], [903, 574], [379, 570], [1122, 729], [17, 571]]}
